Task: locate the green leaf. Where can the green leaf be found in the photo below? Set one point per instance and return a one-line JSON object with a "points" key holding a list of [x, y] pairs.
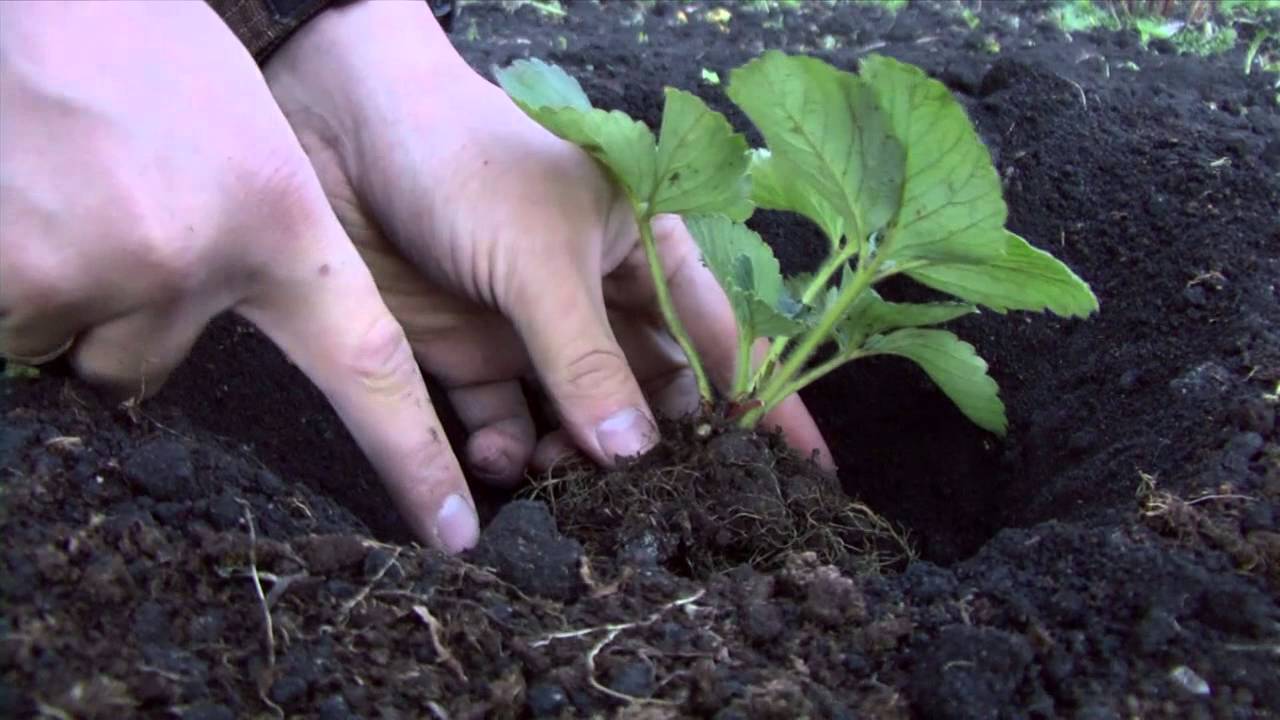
{"points": [[555, 100], [797, 284], [749, 273], [872, 315], [1024, 278], [951, 206], [954, 366], [539, 84], [771, 191], [827, 136], [701, 162]]}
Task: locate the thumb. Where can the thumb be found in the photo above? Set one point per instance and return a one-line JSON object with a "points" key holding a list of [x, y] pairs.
{"points": [[566, 330], [325, 313]]}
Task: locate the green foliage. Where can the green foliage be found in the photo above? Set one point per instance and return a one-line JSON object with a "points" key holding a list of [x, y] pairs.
{"points": [[747, 270], [1205, 36], [1247, 8], [954, 366], [14, 370], [1155, 28], [886, 163], [825, 128], [1205, 40], [1083, 15], [698, 163], [893, 7]]}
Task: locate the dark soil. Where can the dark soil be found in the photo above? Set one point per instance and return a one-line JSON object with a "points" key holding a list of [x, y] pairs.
{"points": [[1118, 555]]}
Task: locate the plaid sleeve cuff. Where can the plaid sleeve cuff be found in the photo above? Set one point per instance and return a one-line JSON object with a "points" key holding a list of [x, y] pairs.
{"points": [[264, 25]]}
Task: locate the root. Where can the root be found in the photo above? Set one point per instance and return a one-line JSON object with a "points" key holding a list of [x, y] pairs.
{"points": [[433, 629], [651, 619], [1214, 524], [257, 585], [611, 632], [344, 613]]}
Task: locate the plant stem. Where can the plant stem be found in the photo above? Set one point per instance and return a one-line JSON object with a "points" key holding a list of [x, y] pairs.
{"points": [[819, 283], [1252, 51], [776, 389], [811, 376], [668, 308], [742, 375]]}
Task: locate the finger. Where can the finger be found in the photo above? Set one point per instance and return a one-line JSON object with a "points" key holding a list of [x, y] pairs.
{"points": [[659, 364], [802, 433], [500, 430], [39, 321], [27, 356], [554, 448], [325, 313], [708, 316], [566, 330], [134, 355]]}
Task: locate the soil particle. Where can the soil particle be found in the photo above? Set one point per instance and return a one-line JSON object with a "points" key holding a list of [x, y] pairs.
{"points": [[635, 679], [161, 468], [334, 707], [328, 553], [1238, 612], [288, 690], [1254, 415], [524, 547], [1241, 450], [1049, 591], [546, 699], [208, 711], [971, 670], [1202, 382]]}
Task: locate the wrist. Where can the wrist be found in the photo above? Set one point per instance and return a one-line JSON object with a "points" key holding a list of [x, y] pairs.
{"points": [[347, 75]]}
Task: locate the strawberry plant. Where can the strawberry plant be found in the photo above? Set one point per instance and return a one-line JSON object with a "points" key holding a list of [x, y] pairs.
{"points": [[885, 162]]}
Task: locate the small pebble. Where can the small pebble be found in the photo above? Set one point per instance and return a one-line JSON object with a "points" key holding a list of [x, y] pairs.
{"points": [[1187, 679], [288, 690], [635, 678], [335, 708], [546, 699], [208, 711]]}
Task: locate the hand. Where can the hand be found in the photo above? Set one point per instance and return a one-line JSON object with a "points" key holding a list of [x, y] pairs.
{"points": [[148, 182], [499, 247]]}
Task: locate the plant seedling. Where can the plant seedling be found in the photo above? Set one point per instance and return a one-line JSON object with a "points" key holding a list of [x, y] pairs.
{"points": [[885, 163]]}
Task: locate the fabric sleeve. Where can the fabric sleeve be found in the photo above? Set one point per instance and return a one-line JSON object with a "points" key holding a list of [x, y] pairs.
{"points": [[264, 25]]}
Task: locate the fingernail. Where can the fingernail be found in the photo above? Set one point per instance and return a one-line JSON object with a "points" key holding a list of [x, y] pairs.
{"points": [[456, 525], [626, 433]]}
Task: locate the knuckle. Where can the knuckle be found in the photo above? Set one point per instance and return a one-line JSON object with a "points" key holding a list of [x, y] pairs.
{"points": [[22, 284], [287, 191], [382, 359], [163, 254], [596, 370], [432, 460], [170, 261], [31, 286]]}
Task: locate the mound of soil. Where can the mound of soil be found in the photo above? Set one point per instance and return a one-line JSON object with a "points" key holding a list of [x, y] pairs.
{"points": [[224, 550]]}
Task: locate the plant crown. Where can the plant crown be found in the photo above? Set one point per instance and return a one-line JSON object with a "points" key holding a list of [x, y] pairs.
{"points": [[886, 163]]}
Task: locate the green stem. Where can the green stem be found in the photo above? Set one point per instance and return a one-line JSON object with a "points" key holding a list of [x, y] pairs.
{"points": [[742, 375], [1252, 52], [811, 376], [669, 308], [773, 392], [819, 283]]}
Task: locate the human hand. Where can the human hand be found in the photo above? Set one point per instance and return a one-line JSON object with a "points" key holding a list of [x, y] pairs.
{"points": [[498, 246], [148, 182]]}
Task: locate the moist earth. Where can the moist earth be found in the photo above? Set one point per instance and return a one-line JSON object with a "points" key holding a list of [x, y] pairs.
{"points": [[224, 551]]}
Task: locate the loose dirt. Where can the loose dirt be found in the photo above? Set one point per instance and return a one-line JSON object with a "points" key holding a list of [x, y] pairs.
{"points": [[224, 551]]}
